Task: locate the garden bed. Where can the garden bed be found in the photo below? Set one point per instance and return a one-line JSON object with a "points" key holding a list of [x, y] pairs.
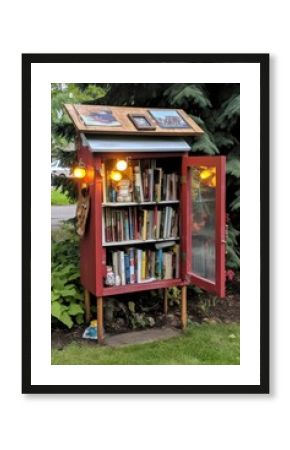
{"points": [[201, 309]]}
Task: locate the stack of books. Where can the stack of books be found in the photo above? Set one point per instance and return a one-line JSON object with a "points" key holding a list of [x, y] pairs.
{"points": [[148, 183], [135, 223], [136, 265]]}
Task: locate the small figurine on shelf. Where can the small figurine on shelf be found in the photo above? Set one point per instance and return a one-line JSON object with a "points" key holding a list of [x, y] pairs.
{"points": [[124, 191], [110, 277]]}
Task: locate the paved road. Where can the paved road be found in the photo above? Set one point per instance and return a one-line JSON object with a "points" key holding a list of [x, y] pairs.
{"points": [[61, 213]]}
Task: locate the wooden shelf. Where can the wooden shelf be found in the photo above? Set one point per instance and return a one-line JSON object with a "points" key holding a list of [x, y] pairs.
{"points": [[157, 284], [118, 204], [138, 241]]}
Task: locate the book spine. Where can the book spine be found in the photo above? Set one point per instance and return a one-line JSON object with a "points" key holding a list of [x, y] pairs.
{"points": [[153, 260], [143, 265], [136, 224], [132, 265], [127, 268], [138, 188], [177, 260], [126, 226], [139, 265], [144, 225], [158, 264], [131, 224], [115, 263], [122, 267]]}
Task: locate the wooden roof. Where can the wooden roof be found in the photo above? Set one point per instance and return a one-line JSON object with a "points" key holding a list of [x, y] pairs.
{"points": [[124, 125]]}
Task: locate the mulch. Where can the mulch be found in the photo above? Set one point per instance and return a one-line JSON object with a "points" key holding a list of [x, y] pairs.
{"points": [[204, 309]]}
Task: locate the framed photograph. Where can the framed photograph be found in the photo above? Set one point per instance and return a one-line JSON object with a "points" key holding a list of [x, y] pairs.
{"points": [[168, 118], [141, 122], [102, 117], [166, 290]]}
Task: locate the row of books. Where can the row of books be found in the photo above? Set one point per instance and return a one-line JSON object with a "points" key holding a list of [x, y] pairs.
{"points": [[135, 223], [136, 265], [147, 183]]}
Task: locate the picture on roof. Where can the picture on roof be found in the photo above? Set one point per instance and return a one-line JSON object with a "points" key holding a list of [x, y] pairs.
{"points": [[168, 118], [103, 117]]}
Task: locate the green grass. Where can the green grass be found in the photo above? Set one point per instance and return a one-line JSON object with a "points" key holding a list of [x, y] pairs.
{"points": [[206, 344], [59, 198]]}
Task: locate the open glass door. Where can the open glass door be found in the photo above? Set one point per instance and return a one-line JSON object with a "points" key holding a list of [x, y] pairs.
{"points": [[204, 221]]}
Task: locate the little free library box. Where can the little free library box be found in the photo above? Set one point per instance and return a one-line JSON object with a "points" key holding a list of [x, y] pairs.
{"points": [[149, 215]]}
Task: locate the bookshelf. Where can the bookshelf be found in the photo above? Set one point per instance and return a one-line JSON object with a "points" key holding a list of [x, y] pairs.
{"points": [[140, 237]]}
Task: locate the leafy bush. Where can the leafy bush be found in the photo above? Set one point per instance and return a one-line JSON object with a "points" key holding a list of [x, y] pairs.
{"points": [[66, 291], [60, 197]]}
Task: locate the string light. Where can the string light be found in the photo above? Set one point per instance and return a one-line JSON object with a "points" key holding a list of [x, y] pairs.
{"points": [[121, 165]]}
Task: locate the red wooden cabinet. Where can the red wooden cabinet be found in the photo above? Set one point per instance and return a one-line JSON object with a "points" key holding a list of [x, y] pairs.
{"points": [[174, 234]]}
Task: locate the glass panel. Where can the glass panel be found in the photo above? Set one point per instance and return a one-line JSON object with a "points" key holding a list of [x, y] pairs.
{"points": [[203, 188]]}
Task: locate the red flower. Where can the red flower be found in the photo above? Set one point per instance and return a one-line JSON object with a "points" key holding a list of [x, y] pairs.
{"points": [[230, 274]]}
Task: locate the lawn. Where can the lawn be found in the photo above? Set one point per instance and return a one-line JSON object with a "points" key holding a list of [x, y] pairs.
{"points": [[58, 197], [204, 344]]}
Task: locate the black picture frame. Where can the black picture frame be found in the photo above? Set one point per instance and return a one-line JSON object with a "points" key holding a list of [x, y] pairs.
{"points": [[134, 119], [27, 61]]}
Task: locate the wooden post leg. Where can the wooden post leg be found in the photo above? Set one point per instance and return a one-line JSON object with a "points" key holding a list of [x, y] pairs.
{"points": [[183, 307], [87, 305], [165, 302], [100, 320]]}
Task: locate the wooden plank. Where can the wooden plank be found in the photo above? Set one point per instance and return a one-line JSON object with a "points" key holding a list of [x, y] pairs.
{"points": [[137, 287], [138, 241], [87, 305], [100, 320], [127, 127], [184, 307]]}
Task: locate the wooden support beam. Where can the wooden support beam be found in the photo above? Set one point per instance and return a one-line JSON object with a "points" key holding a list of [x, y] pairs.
{"points": [[100, 320], [87, 301], [184, 307], [165, 302]]}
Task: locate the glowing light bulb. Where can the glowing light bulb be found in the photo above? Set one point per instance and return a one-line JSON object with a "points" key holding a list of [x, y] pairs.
{"points": [[205, 174], [121, 164], [79, 172], [116, 176]]}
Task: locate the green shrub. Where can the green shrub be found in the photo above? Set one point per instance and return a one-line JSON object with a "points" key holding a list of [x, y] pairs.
{"points": [[66, 290], [59, 197]]}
